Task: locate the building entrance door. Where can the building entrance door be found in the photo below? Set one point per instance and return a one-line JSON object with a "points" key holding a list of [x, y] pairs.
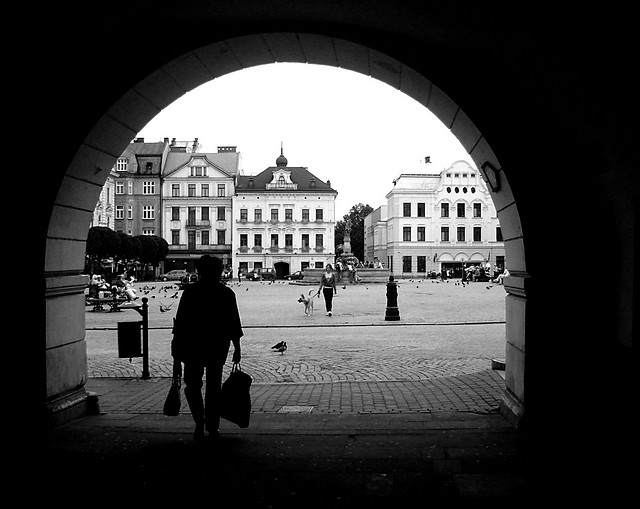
{"points": [[282, 269]]}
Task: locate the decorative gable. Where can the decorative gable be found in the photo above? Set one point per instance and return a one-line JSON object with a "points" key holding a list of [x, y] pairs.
{"points": [[281, 180]]}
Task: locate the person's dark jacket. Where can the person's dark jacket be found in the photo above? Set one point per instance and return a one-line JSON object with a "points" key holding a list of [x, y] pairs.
{"points": [[206, 322]]}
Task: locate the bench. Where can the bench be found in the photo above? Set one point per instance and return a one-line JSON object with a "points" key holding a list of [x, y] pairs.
{"points": [[113, 303]]}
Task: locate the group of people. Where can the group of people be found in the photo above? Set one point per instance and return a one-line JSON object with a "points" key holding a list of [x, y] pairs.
{"points": [[120, 286]]}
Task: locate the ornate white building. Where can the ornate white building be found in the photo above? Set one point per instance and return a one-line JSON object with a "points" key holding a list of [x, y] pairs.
{"points": [[434, 223], [197, 202], [284, 219]]}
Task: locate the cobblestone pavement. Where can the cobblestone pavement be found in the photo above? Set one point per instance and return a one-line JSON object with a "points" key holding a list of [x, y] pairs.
{"points": [[353, 361]]}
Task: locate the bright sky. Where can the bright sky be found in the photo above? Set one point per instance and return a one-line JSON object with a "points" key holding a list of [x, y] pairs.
{"points": [[345, 127]]}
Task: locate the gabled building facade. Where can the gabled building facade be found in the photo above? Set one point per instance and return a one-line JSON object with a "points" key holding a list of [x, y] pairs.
{"points": [[284, 219], [437, 223], [197, 196]]}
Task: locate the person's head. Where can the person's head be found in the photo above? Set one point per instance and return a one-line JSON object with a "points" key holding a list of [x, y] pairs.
{"points": [[209, 267], [329, 267]]}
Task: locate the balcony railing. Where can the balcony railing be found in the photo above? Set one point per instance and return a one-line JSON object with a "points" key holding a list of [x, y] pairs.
{"points": [[203, 223], [205, 248]]}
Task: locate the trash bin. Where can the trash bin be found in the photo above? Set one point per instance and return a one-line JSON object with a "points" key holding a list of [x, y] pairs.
{"points": [[129, 339]]}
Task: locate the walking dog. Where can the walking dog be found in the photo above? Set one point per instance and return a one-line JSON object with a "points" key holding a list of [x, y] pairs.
{"points": [[308, 302]]}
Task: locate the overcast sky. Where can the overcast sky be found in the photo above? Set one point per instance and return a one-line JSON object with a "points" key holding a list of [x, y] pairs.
{"points": [[345, 127]]}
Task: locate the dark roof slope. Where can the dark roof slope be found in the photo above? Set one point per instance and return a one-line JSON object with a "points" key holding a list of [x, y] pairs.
{"points": [[299, 175]]}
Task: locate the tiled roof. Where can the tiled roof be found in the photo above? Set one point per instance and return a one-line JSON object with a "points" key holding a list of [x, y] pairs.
{"points": [[299, 175], [148, 149], [228, 161]]}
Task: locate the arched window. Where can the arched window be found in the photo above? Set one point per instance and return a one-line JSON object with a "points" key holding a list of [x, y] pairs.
{"points": [[281, 181]]}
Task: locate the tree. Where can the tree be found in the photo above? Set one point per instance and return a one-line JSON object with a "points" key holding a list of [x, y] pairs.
{"points": [[154, 250], [102, 243], [356, 215]]}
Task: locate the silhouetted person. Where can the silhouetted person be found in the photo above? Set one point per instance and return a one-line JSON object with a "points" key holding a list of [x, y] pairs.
{"points": [[207, 321]]}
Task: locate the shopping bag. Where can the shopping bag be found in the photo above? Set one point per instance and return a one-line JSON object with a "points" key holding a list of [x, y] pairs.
{"points": [[172, 403], [235, 403]]}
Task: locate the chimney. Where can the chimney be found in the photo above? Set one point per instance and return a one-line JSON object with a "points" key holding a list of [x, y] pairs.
{"points": [[139, 140]]}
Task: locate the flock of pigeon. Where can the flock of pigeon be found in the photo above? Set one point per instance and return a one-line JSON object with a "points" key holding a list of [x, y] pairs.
{"points": [[163, 291], [456, 283]]}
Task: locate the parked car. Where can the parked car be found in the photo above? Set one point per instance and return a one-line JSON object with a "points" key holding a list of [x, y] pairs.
{"points": [[295, 275], [261, 274], [174, 275]]}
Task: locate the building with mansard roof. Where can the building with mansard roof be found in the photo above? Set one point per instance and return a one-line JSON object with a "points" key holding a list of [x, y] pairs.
{"points": [[284, 218], [436, 222], [197, 192]]}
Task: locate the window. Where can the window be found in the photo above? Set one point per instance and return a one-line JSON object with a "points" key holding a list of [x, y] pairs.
{"points": [[461, 233], [406, 210], [243, 240], [319, 265], [148, 231], [175, 190], [257, 240], [422, 234], [444, 210], [204, 213], [129, 187], [477, 233], [461, 208], [221, 191], [221, 236], [148, 187], [406, 233], [119, 187], [274, 240], [498, 234], [204, 190], [288, 214], [288, 240], [198, 171], [129, 212], [281, 181], [119, 212], [191, 190], [422, 264], [221, 213], [257, 215], [319, 214], [305, 241], [148, 168], [205, 237], [175, 237], [319, 240], [305, 214], [148, 212], [406, 264], [274, 214], [122, 164], [257, 265], [304, 265], [421, 210], [243, 214], [175, 213], [191, 216], [444, 234], [477, 210]]}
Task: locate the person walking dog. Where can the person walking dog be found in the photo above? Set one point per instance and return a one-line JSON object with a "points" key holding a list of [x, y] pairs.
{"points": [[328, 288]]}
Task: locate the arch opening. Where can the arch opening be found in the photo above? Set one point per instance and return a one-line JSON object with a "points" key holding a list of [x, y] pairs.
{"points": [[90, 167]]}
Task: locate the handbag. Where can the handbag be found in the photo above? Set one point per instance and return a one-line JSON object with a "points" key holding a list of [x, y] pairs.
{"points": [[235, 399], [172, 403]]}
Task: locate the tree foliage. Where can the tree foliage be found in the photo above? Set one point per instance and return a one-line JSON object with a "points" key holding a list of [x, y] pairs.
{"points": [[356, 215], [119, 248]]}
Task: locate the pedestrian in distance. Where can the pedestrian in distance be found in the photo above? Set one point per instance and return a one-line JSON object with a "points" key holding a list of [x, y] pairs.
{"points": [[328, 288], [207, 322]]}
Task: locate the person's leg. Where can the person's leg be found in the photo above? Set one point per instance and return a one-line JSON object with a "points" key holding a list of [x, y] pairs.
{"points": [[193, 373], [328, 299]]}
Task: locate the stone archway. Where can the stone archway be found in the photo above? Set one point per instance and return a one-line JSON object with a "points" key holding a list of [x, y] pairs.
{"points": [[68, 226]]}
